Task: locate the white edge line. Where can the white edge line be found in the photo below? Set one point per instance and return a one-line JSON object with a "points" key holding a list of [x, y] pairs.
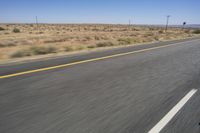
{"points": [[165, 120]]}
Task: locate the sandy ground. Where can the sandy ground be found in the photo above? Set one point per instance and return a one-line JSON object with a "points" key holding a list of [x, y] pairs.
{"points": [[17, 41]]}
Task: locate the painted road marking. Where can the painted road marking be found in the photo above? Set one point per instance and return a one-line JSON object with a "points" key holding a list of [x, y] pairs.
{"points": [[163, 122], [84, 61]]}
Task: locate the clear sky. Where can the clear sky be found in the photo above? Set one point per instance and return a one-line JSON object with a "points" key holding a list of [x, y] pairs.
{"points": [[100, 11]]}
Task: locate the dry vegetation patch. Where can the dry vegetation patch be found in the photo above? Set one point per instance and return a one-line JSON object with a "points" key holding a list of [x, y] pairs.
{"points": [[20, 40]]}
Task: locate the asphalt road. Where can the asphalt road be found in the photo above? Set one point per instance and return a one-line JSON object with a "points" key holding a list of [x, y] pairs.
{"points": [[126, 94]]}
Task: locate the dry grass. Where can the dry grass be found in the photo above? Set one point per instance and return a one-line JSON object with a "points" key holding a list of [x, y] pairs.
{"points": [[17, 40], [35, 50], [196, 31]]}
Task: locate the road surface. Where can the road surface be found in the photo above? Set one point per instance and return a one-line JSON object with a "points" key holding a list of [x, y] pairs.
{"points": [[154, 90]]}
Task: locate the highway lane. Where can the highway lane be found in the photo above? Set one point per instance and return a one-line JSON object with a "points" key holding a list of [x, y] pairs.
{"points": [[127, 94], [6, 69], [189, 115]]}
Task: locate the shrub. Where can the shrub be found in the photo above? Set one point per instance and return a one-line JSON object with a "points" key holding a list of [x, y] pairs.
{"points": [[91, 46], [124, 41], [97, 38], [2, 45], [69, 48], [88, 38], [15, 30], [187, 31], [21, 53], [80, 47], [1, 29], [74, 48], [34, 51], [105, 44], [11, 44], [196, 31], [148, 34], [156, 38], [160, 31], [42, 50]]}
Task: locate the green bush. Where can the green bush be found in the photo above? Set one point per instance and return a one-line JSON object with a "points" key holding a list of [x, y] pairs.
{"points": [[196, 31], [15, 30]]}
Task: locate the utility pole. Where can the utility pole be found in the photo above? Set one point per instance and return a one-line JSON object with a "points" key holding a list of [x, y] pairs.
{"points": [[168, 16], [36, 20], [129, 22]]}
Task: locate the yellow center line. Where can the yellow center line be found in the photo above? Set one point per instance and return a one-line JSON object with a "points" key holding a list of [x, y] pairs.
{"points": [[81, 62]]}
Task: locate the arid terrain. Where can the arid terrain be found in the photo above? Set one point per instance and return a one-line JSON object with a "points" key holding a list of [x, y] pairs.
{"points": [[23, 40]]}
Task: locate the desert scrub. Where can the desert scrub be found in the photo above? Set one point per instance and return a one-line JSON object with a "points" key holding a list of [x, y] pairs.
{"points": [[16, 30], [2, 45], [97, 37], [74, 48], [1, 29], [156, 38], [21, 53], [125, 41], [87, 38], [187, 31], [196, 31], [160, 31], [105, 44], [79, 47], [36, 50], [91, 46], [40, 50], [69, 48]]}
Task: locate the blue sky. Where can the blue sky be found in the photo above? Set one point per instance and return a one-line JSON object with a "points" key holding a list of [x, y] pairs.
{"points": [[100, 11]]}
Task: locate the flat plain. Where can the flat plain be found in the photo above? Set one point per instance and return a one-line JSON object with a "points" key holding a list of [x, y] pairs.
{"points": [[28, 40]]}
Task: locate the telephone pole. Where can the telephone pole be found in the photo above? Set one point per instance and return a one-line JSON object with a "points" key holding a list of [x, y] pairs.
{"points": [[129, 22], [36, 21], [168, 16]]}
